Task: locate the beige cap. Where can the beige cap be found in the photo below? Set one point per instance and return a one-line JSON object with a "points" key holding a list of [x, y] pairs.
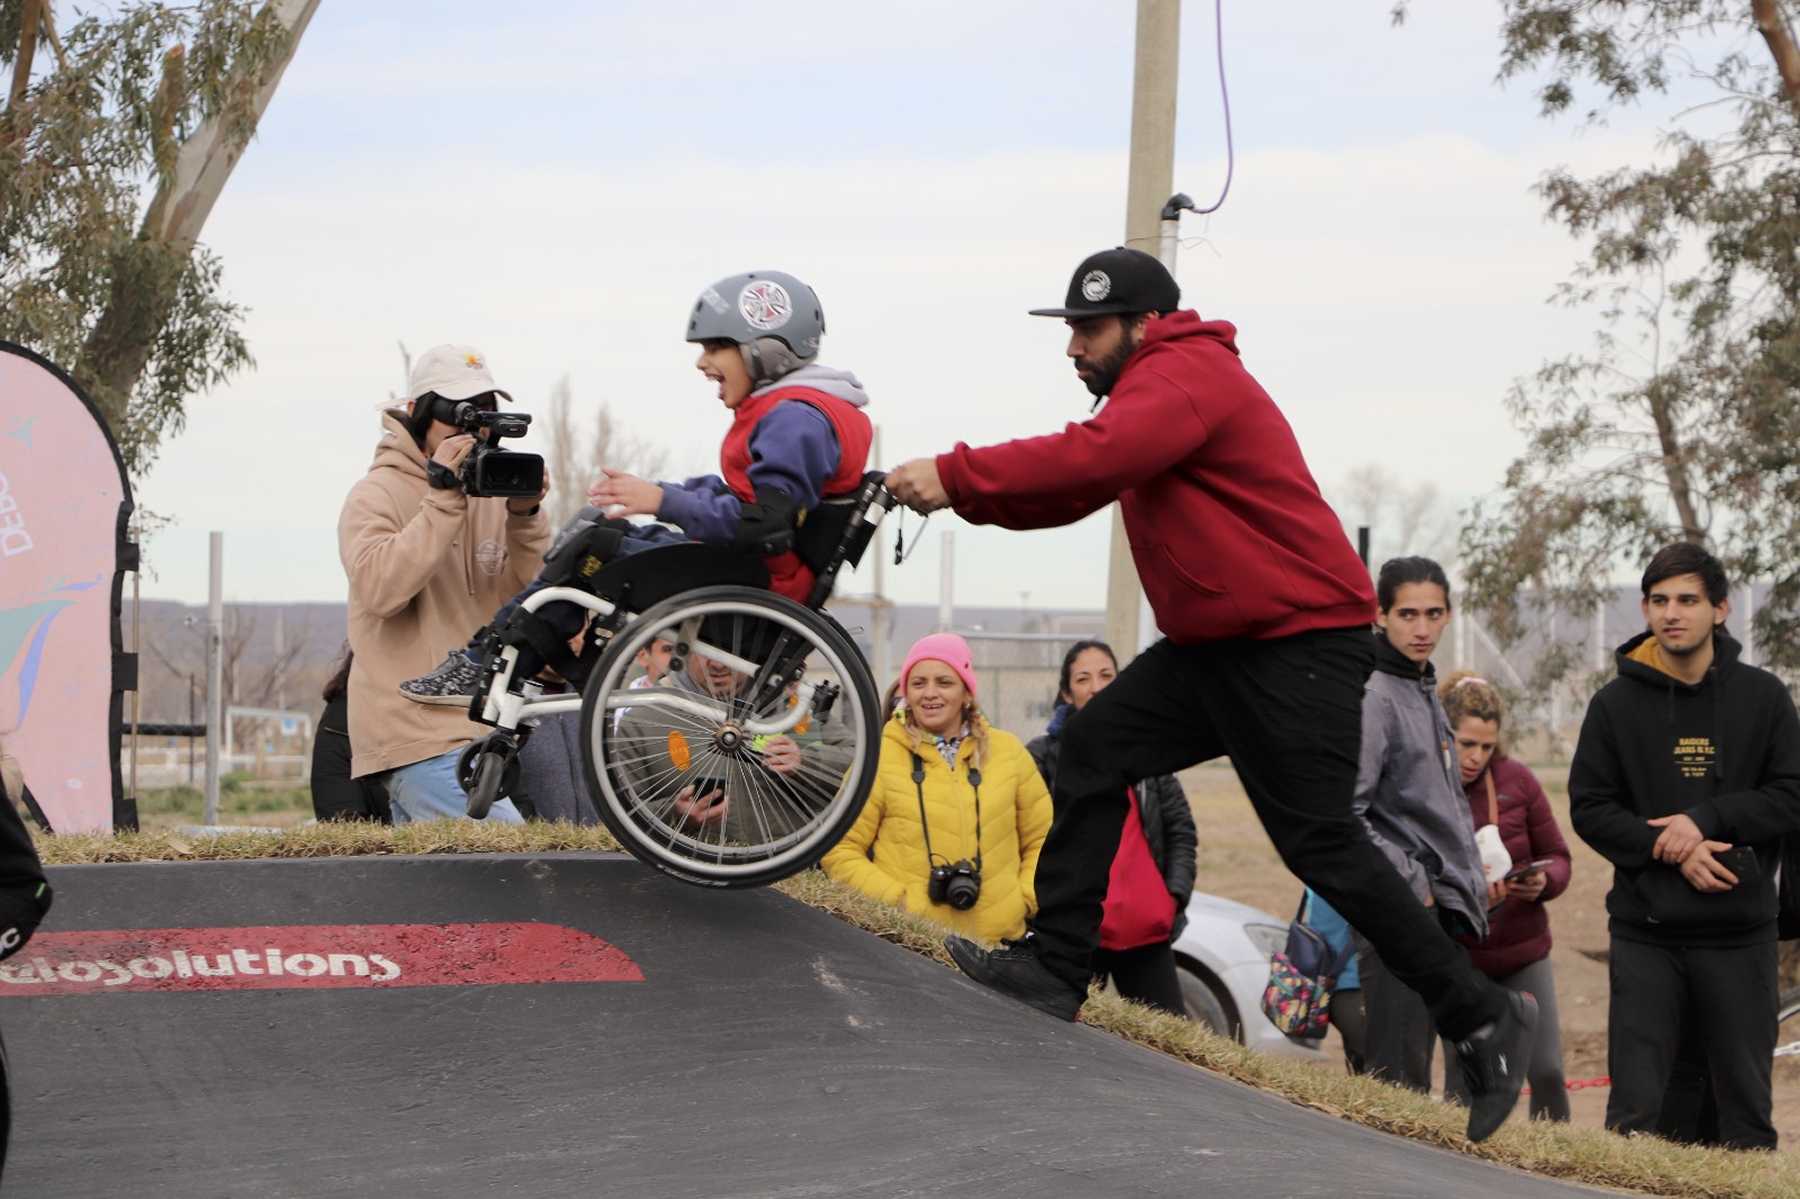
{"points": [[454, 372]]}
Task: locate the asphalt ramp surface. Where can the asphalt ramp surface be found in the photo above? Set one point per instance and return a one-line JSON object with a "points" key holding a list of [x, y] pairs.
{"points": [[576, 1025]]}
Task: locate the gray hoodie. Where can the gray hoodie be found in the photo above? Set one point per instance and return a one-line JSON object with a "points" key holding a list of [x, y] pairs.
{"points": [[1408, 791]]}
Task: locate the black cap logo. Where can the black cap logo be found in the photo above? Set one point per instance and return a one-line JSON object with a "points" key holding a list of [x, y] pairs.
{"points": [[1117, 281]]}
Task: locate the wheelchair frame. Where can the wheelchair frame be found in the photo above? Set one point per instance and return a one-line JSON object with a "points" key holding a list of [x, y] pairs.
{"points": [[506, 710]]}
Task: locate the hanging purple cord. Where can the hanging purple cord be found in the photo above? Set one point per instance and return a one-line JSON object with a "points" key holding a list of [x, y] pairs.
{"points": [[1225, 96]]}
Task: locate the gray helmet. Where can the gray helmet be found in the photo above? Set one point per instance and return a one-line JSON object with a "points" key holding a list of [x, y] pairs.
{"points": [[775, 319]]}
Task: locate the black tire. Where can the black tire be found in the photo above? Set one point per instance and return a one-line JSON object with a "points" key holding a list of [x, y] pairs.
{"points": [[1787, 1026], [1202, 1003], [468, 764], [675, 855], [484, 787]]}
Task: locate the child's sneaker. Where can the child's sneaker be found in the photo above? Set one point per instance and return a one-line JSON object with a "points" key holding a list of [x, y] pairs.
{"points": [[453, 683]]}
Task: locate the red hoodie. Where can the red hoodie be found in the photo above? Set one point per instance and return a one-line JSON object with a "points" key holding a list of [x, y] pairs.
{"points": [[1230, 534]]}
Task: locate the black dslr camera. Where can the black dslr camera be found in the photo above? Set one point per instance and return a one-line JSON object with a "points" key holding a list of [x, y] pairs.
{"points": [[490, 470], [958, 885]]}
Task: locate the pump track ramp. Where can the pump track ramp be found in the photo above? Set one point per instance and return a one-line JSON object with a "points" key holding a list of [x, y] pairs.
{"points": [[577, 1025]]}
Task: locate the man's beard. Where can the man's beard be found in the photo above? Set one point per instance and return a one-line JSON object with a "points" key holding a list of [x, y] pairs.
{"points": [[1695, 648], [1103, 373]]}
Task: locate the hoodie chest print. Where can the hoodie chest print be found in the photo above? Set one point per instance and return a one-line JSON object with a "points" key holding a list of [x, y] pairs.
{"points": [[1694, 757]]}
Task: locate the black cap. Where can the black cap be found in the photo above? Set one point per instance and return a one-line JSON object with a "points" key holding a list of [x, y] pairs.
{"points": [[1118, 280]]}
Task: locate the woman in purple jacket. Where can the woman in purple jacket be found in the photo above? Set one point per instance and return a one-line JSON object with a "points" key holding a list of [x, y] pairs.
{"points": [[1516, 951]]}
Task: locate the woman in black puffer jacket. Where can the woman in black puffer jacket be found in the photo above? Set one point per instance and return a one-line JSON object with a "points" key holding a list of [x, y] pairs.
{"points": [[1153, 870]]}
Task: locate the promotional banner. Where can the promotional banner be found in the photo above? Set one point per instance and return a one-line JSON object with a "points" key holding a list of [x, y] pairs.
{"points": [[313, 956], [64, 504]]}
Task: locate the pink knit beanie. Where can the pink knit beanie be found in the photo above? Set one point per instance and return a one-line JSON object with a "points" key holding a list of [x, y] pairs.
{"points": [[947, 648]]}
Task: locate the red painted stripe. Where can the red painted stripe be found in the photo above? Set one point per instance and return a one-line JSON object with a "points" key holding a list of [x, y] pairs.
{"points": [[288, 956], [1578, 1084]]}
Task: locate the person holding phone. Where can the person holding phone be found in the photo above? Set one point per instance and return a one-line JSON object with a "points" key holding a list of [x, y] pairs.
{"points": [[1503, 794], [1686, 777], [657, 752]]}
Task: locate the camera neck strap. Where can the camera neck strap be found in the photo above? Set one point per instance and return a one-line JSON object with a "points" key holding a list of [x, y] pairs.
{"points": [[918, 777]]}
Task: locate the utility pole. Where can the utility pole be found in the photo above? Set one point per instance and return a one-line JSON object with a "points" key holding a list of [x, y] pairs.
{"points": [[1150, 183]]}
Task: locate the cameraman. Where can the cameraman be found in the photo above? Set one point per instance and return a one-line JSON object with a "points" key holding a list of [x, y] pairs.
{"points": [[426, 563]]}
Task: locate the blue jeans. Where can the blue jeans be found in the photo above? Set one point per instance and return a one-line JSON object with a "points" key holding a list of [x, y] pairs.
{"points": [[428, 790]]}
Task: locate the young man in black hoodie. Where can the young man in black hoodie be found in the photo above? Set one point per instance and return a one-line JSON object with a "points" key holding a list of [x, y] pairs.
{"points": [[1686, 776]]}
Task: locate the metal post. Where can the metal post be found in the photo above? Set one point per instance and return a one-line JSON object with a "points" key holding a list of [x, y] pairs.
{"points": [[881, 618], [193, 716], [1749, 625], [1600, 636], [1157, 63], [280, 661], [946, 581], [137, 690], [215, 674]]}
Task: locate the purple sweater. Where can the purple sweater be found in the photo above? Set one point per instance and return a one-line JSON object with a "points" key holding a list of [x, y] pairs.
{"points": [[792, 450], [1519, 932]]}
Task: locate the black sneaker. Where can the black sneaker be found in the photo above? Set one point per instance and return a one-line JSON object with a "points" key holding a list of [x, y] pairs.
{"points": [[453, 683], [1014, 970], [1494, 1058]]}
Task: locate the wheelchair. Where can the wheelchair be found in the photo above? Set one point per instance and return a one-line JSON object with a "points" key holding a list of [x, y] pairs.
{"points": [[756, 750]]}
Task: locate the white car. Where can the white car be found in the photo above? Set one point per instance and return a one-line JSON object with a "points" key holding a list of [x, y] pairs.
{"points": [[1222, 959]]}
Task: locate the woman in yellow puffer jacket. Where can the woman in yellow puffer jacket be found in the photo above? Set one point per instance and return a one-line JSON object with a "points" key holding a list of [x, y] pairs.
{"points": [[939, 726]]}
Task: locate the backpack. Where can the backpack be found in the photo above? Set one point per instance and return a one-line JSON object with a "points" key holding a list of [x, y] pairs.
{"points": [[1787, 888], [1302, 978]]}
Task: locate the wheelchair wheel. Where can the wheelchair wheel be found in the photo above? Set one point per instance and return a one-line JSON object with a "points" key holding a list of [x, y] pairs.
{"points": [[485, 774], [751, 757]]}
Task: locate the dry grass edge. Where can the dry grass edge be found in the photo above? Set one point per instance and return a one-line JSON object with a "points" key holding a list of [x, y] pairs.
{"points": [[1583, 1155]]}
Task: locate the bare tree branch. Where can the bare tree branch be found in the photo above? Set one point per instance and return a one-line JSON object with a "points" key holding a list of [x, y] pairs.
{"points": [[21, 80], [1771, 22], [191, 174]]}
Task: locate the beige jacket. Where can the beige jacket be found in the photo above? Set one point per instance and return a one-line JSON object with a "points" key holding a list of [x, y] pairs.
{"points": [[12, 778], [427, 568]]}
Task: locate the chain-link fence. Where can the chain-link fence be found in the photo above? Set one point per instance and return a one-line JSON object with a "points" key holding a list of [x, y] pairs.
{"points": [[1018, 673]]}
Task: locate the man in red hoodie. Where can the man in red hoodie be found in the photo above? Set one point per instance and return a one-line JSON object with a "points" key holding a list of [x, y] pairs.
{"points": [[1266, 612]]}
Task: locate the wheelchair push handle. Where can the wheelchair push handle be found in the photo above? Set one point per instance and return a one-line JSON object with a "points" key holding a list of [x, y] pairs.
{"points": [[879, 500]]}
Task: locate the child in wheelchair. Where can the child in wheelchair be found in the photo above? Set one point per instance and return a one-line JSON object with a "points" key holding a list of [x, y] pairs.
{"points": [[798, 435]]}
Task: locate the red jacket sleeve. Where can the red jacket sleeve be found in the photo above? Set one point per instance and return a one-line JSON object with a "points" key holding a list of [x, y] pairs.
{"points": [[1546, 838], [1150, 423]]}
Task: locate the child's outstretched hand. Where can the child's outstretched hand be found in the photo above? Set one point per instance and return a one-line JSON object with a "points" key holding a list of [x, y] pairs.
{"points": [[621, 494]]}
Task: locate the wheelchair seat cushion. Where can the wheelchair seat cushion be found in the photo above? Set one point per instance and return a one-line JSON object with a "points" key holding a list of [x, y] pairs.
{"points": [[637, 581]]}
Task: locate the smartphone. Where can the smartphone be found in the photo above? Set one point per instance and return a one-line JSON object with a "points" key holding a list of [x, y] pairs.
{"points": [[704, 787], [1741, 861], [1527, 868]]}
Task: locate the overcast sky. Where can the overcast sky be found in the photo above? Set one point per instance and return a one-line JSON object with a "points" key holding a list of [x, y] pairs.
{"points": [[555, 184]]}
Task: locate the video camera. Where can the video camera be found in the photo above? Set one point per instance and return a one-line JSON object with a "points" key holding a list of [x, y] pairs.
{"points": [[490, 470]]}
